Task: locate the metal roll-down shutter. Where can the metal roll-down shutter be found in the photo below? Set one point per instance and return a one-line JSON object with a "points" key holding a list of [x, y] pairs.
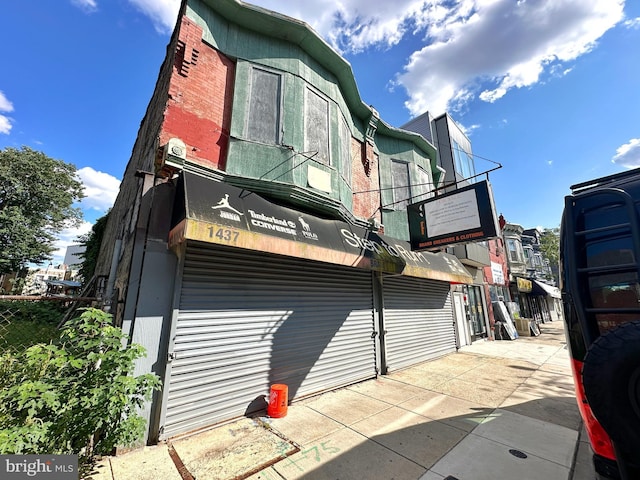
{"points": [[247, 321], [418, 320]]}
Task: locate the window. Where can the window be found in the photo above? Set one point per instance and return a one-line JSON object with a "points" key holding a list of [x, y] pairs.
{"points": [[401, 185], [263, 121], [423, 186], [513, 245], [345, 150], [316, 138], [464, 165]]}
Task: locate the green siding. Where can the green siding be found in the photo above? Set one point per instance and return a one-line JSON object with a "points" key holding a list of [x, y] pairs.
{"points": [[391, 148]]}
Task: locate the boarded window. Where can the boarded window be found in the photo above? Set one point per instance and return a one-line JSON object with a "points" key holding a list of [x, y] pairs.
{"points": [[422, 187], [316, 139], [263, 123], [401, 184]]}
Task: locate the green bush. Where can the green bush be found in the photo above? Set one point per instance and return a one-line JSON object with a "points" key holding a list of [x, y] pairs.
{"points": [[76, 395]]}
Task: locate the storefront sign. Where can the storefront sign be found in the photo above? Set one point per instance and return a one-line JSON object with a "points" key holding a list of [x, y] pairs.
{"points": [[466, 215], [497, 273], [217, 212], [524, 285]]}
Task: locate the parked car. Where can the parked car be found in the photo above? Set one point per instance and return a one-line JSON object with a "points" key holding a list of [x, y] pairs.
{"points": [[600, 282]]}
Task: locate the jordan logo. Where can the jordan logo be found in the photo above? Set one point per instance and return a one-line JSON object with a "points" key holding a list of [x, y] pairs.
{"points": [[224, 203], [226, 210]]}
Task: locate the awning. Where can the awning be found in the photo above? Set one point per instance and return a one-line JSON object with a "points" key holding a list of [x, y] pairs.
{"points": [[541, 288], [219, 213], [64, 283]]}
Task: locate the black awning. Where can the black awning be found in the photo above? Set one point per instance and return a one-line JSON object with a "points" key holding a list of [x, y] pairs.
{"points": [[219, 213]]}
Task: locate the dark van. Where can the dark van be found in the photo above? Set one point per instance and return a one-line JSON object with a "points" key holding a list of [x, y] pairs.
{"points": [[600, 282]]}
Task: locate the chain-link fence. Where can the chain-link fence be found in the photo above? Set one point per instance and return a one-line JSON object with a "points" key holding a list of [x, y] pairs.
{"points": [[26, 322]]}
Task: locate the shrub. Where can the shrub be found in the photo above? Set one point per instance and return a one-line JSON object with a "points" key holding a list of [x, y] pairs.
{"points": [[76, 395]]}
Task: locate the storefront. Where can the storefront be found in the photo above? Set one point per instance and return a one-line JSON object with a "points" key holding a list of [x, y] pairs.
{"points": [[520, 290], [266, 294], [550, 300]]}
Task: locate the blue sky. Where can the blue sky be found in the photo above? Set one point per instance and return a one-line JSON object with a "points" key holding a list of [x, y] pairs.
{"points": [[550, 89]]}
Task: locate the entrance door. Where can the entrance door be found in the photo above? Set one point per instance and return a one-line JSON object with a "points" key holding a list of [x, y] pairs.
{"points": [[476, 312], [461, 320]]}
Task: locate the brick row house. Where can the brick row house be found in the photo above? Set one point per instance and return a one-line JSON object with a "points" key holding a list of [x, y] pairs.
{"points": [[260, 233]]}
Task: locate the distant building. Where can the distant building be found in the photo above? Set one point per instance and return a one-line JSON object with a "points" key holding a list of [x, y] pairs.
{"points": [[38, 278], [73, 256]]}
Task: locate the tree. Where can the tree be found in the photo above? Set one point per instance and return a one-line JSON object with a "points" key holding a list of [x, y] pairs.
{"points": [[36, 202], [550, 246], [91, 242]]}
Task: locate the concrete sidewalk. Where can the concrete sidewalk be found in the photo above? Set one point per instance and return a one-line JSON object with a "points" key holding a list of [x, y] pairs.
{"points": [[495, 410]]}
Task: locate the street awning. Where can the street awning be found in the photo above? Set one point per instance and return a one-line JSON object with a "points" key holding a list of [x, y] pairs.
{"points": [[219, 213], [541, 288]]}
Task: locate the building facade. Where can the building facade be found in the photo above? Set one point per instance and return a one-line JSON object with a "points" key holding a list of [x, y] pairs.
{"points": [[455, 162], [496, 275], [260, 233], [530, 277]]}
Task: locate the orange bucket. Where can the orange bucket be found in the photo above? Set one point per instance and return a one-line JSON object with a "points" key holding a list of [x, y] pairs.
{"points": [[278, 400]]}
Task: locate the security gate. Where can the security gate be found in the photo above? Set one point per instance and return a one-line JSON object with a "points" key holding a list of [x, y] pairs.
{"points": [[418, 320], [248, 320]]}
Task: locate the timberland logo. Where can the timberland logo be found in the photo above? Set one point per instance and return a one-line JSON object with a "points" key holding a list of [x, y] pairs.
{"points": [[226, 210], [50, 467]]}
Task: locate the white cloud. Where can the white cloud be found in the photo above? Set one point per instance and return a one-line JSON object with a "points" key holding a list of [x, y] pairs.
{"points": [[100, 189], [88, 6], [352, 25], [632, 23], [628, 155], [469, 48], [468, 130], [5, 106], [5, 124], [499, 45], [163, 13]]}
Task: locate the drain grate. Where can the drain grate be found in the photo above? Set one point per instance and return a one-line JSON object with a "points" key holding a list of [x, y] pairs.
{"points": [[517, 453]]}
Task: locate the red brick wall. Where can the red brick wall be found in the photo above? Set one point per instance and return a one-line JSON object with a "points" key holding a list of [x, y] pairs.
{"points": [[365, 178], [497, 254], [200, 99]]}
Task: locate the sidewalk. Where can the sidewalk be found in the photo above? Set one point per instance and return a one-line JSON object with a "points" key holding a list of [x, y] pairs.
{"points": [[495, 410]]}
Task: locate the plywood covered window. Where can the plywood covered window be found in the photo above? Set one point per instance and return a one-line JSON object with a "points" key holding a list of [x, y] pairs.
{"points": [[263, 121], [401, 184], [422, 187], [316, 129]]}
